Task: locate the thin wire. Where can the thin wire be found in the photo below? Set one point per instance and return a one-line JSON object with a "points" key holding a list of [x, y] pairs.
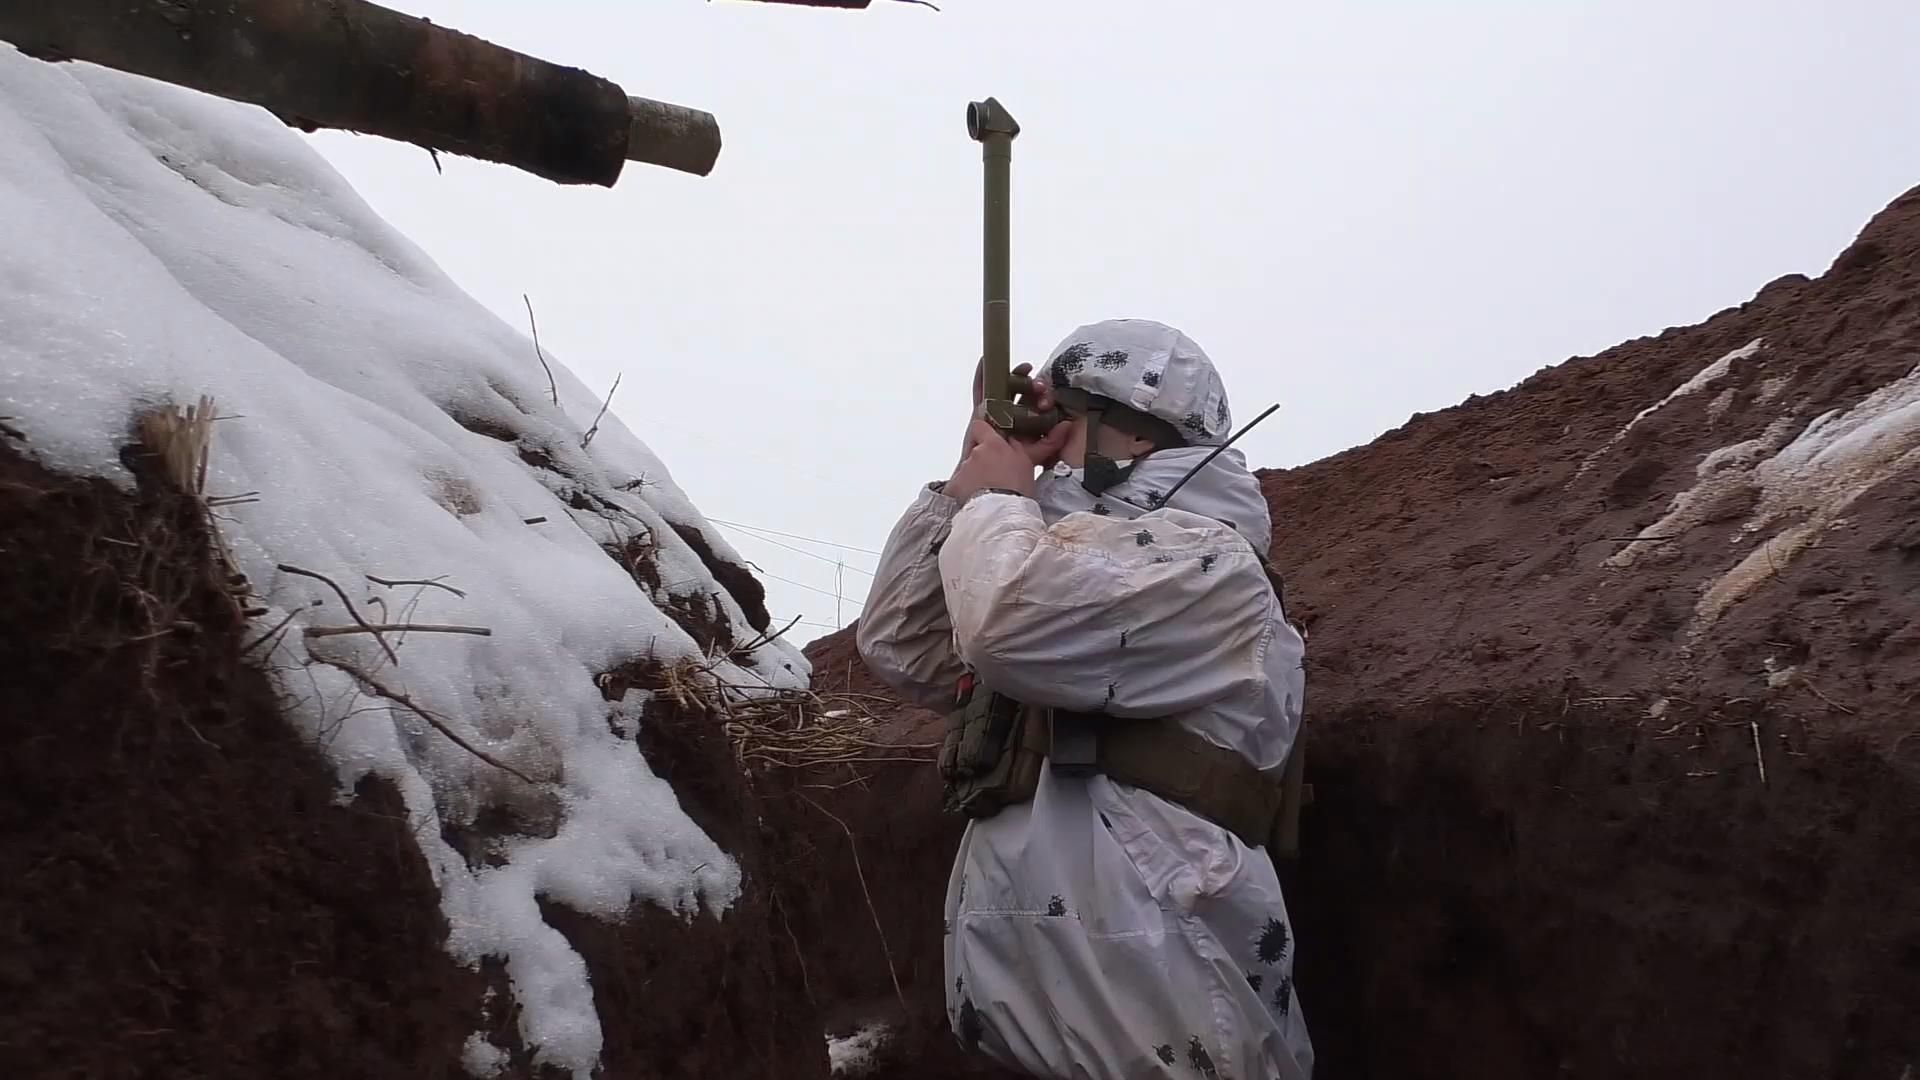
{"points": [[790, 547], [793, 536], [811, 588]]}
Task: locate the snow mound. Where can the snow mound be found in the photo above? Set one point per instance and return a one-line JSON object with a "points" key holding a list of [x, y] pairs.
{"points": [[161, 245]]}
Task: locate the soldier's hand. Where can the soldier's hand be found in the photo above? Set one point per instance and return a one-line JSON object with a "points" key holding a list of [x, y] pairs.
{"points": [[992, 460], [1019, 381], [1039, 394]]}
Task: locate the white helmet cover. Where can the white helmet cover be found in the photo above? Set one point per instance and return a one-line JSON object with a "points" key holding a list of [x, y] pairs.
{"points": [[1146, 366]]}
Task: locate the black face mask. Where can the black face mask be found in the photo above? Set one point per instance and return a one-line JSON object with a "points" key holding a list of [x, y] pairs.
{"points": [[1102, 472]]}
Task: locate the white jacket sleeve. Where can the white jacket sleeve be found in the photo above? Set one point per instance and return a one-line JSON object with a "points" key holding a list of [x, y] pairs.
{"points": [[1152, 616], [904, 634]]}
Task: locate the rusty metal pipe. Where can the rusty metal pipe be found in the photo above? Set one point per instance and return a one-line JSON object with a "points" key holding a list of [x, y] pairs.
{"points": [[356, 66]]}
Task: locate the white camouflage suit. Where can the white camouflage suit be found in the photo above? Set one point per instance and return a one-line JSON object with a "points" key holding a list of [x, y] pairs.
{"points": [[1099, 931]]}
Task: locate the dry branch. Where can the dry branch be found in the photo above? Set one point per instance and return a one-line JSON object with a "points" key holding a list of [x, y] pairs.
{"points": [[352, 612], [1808, 683], [595, 427], [439, 725], [535, 327], [765, 638], [394, 583], [376, 628], [277, 627]]}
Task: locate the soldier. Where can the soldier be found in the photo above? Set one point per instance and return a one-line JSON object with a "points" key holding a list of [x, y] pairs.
{"points": [[1123, 690]]}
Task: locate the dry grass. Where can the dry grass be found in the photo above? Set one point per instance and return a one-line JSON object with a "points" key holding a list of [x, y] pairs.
{"points": [[180, 439], [772, 728]]}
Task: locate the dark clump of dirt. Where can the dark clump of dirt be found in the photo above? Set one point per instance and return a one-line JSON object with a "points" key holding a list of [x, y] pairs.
{"points": [[185, 895], [640, 557], [540, 458], [739, 582], [703, 618], [640, 673], [491, 427], [481, 841], [703, 995]]}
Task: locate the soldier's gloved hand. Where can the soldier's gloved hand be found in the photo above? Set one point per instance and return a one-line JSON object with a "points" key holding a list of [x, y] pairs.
{"points": [[994, 461]]}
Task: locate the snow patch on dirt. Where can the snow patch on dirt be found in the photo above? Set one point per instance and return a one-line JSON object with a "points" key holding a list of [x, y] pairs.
{"points": [[1702, 379], [1723, 474], [1807, 483], [854, 1055], [161, 245], [483, 1059], [1838, 458]]}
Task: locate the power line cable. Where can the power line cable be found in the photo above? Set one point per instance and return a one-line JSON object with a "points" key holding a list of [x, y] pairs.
{"points": [[815, 588], [800, 551], [793, 536]]}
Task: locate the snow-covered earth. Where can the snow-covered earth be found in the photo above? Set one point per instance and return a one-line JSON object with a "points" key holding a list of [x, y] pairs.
{"points": [[157, 245]]}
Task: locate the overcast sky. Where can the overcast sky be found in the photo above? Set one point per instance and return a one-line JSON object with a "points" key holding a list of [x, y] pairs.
{"points": [[1360, 211]]}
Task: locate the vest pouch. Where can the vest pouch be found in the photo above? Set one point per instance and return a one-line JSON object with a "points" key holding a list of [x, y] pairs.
{"points": [[991, 754]]}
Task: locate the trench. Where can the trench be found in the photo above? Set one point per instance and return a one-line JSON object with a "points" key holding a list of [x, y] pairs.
{"points": [[1498, 887], [1527, 888], [1522, 887]]}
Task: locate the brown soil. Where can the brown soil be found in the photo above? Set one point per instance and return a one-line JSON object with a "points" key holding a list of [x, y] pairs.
{"points": [[1541, 844], [188, 898], [739, 582], [905, 847], [185, 897]]}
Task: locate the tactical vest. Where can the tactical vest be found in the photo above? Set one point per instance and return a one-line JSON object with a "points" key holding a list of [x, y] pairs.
{"points": [[995, 748]]}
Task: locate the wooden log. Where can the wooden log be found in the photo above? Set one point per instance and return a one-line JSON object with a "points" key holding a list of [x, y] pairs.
{"points": [[356, 66]]}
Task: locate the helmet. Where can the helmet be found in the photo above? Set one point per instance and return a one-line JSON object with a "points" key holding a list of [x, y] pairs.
{"points": [[1148, 368]]}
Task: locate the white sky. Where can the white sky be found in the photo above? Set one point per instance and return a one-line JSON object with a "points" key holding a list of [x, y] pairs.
{"points": [[1359, 212]]}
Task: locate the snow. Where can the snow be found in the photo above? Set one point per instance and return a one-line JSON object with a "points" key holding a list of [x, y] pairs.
{"points": [[1723, 474], [162, 244], [1721, 402], [1808, 481], [1839, 457], [482, 1058], [1703, 378], [853, 1055]]}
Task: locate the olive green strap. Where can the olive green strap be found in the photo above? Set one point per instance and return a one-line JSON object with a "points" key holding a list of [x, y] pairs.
{"points": [[1178, 765]]}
